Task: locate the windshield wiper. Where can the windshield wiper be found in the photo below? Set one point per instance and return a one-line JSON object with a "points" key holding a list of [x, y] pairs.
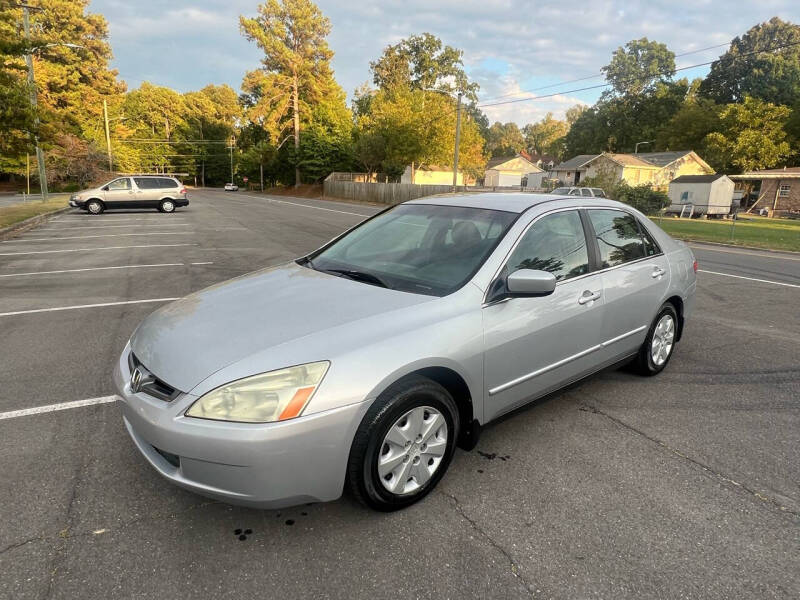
{"points": [[359, 276]]}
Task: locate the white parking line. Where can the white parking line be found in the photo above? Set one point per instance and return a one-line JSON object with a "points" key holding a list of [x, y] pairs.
{"points": [[38, 410], [98, 305], [103, 269], [82, 227], [101, 235], [93, 249], [791, 285], [344, 212]]}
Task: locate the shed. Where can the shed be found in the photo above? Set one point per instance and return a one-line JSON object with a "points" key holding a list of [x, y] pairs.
{"points": [[508, 171], [703, 194]]}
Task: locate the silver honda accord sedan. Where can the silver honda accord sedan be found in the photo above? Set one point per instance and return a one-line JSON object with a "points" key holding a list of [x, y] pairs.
{"points": [[362, 365]]}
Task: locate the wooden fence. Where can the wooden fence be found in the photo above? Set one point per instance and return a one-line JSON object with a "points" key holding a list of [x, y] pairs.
{"points": [[383, 193]]}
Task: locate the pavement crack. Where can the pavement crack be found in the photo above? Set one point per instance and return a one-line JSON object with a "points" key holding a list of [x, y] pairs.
{"points": [[516, 569], [16, 545], [764, 499]]}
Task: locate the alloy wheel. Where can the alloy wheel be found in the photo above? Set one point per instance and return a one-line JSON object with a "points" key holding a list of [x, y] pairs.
{"points": [[663, 339]]}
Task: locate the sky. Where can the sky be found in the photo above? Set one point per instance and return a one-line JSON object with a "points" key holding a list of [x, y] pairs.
{"points": [[514, 49]]}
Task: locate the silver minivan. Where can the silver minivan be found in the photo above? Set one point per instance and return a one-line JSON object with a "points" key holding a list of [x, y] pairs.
{"points": [[139, 191]]}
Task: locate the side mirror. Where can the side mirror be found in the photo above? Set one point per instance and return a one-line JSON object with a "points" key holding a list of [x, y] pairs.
{"points": [[530, 282], [104, 188]]}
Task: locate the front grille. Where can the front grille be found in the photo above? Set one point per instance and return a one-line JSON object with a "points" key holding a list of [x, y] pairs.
{"points": [[172, 459], [153, 386]]}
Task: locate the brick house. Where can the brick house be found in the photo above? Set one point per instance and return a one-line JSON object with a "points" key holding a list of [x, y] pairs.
{"points": [[779, 192]]}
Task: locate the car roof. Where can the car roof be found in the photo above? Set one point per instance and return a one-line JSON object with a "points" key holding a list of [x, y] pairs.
{"points": [[509, 202]]}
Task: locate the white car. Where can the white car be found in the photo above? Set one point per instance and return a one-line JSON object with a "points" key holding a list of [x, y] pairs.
{"points": [[231, 187], [586, 192]]}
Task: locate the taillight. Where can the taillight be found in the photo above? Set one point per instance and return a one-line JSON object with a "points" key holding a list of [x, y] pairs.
{"points": [[694, 265], [183, 191]]}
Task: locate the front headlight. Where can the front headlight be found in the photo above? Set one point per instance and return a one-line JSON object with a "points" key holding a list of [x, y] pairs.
{"points": [[274, 396]]}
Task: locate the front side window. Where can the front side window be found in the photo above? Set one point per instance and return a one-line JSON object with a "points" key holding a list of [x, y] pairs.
{"points": [[420, 248], [555, 243], [122, 183], [617, 236], [586, 192]]}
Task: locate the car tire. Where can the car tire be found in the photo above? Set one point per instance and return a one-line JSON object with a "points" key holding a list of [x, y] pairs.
{"points": [[166, 206], [95, 207], [659, 345], [393, 463]]}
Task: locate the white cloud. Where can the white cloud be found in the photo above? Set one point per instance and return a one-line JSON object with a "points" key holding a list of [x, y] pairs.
{"points": [[192, 43]]}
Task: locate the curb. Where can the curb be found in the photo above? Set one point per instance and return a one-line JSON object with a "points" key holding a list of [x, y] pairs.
{"points": [[27, 224], [723, 245]]}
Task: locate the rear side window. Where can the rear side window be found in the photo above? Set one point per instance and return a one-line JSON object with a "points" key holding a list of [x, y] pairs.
{"points": [[586, 192], [598, 193], [651, 248], [555, 243], [617, 236], [144, 183], [167, 183]]}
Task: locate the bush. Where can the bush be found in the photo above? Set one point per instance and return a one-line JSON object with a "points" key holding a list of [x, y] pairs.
{"points": [[642, 197]]}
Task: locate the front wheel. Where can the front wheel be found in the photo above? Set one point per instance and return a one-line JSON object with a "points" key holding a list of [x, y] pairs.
{"points": [[95, 207], [404, 444], [659, 343]]}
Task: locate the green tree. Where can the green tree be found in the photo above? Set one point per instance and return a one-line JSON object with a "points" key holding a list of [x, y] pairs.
{"points": [[638, 67], [688, 128], [752, 66], [751, 136], [295, 72], [421, 62], [545, 136], [573, 112], [504, 139], [416, 128]]}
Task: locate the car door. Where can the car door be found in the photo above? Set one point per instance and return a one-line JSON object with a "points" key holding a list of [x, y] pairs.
{"points": [[535, 345], [147, 193], [635, 279], [118, 193]]}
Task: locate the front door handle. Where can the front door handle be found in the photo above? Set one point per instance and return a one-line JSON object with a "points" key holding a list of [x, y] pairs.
{"points": [[588, 296], [657, 272]]}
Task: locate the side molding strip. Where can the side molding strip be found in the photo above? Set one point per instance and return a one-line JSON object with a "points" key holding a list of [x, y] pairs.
{"points": [[563, 361]]}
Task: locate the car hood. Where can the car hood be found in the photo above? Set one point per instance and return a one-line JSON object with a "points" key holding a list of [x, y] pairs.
{"points": [[185, 342]]}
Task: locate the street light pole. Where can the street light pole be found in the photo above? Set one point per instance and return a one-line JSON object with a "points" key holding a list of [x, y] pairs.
{"points": [[32, 85], [458, 139], [636, 148]]}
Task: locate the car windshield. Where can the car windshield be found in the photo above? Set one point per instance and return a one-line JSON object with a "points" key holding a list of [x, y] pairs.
{"points": [[564, 190], [420, 248]]}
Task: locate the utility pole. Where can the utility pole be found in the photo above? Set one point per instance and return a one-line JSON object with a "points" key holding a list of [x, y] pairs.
{"points": [[28, 173], [233, 141], [108, 136], [458, 139], [32, 85]]}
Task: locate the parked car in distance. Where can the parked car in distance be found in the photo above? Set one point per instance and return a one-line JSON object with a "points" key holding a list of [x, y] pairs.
{"points": [[586, 192], [138, 191], [365, 363], [231, 187]]}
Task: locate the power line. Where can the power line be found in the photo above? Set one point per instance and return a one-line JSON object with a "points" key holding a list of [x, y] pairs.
{"points": [[552, 85], [633, 79]]}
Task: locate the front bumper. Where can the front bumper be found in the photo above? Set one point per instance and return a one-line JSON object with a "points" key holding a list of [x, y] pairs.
{"points": [[267, 465], [76, 203]]}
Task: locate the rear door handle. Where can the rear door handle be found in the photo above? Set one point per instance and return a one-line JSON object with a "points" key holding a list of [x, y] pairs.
{"points": [[588, 296], [657, 272]]}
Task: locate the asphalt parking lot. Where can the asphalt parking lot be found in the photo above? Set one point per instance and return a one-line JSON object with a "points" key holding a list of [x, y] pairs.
{"points": [[682, 486]]}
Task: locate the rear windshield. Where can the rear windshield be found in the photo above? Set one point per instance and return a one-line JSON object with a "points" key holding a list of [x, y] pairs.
{"points": [[421, 248]]}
